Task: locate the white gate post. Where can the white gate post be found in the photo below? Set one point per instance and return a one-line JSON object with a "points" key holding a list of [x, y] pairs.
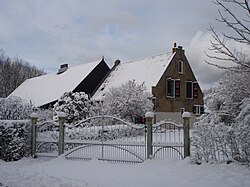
{"points": [[34, 117], [61, 116], [149, 117], [186, 128]]}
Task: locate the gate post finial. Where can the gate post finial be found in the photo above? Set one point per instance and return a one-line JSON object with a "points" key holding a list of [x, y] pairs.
{"points": [[34, 117], [61, 116], [149, 117], [186, 128]]}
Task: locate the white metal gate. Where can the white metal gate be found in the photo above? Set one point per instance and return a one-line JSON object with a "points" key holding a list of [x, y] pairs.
{"points": [[111, 139], [106, 138]]}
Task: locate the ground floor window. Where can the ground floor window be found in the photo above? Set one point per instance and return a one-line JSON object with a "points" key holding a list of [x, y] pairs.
{"points": [[198, 109]]}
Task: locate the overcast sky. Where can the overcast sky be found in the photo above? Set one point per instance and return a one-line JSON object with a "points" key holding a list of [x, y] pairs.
{"points": [[48, 33]]}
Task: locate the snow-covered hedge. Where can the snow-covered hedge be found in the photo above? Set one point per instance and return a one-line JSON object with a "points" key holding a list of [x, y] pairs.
{"points": [[108, 133], [96, 133], [14, 139]]}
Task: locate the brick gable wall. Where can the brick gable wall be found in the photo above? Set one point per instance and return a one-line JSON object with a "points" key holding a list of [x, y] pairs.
{"points": [[174, 104]]}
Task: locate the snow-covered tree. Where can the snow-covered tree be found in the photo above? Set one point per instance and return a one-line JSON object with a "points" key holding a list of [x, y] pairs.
{"points": [[45, 114], [242, 130], [96, 108], [75, 105], [234, 16], [13, 108], [128, 101], [224, 133], [227, 97]]}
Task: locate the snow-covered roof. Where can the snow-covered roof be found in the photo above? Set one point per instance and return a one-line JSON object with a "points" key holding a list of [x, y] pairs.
{"points": [[48, 88], [147, 70]]}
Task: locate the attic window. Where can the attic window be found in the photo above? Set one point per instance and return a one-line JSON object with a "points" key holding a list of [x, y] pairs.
{"points": [[180, 67]]}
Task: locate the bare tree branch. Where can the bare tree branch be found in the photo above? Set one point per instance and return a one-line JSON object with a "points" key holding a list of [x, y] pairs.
{"points": [[219, 45], [246, 3], [237, 25]]}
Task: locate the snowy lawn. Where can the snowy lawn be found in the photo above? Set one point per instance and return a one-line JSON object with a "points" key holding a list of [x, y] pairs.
{"points": [[154, 173]]}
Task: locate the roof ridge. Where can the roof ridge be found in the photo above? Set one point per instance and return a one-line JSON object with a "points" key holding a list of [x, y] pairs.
{"points": [[148, 57]]}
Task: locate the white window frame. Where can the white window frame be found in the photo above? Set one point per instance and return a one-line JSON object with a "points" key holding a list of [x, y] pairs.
{"points": [[191, 90], [198, 109]]}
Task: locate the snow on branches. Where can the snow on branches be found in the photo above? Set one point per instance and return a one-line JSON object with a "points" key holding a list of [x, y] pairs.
{"points": [[14, 139], [129, 101], [14, 128], [242, 130], [224, 133], [75, 105], [13, 108]]}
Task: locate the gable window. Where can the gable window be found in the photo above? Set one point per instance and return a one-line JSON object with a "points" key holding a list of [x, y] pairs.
{"points": [[198, 109], [180, 67], [189, 90]]}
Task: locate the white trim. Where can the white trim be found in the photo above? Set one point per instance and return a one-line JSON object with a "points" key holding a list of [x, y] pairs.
{"points": [[198, 109]]}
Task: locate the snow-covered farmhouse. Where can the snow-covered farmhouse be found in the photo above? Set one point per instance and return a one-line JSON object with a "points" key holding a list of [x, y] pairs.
{"points": [[167, 76], [44, 91]]}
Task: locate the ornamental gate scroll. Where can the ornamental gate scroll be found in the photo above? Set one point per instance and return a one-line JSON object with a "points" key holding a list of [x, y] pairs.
{"points": [[108, 138]]}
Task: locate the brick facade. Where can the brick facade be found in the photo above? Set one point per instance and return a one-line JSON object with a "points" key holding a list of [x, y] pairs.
{"points": [[170, 104]]}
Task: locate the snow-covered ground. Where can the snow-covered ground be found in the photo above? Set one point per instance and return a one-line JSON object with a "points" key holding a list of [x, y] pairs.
{"points": [[153, 173]]}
